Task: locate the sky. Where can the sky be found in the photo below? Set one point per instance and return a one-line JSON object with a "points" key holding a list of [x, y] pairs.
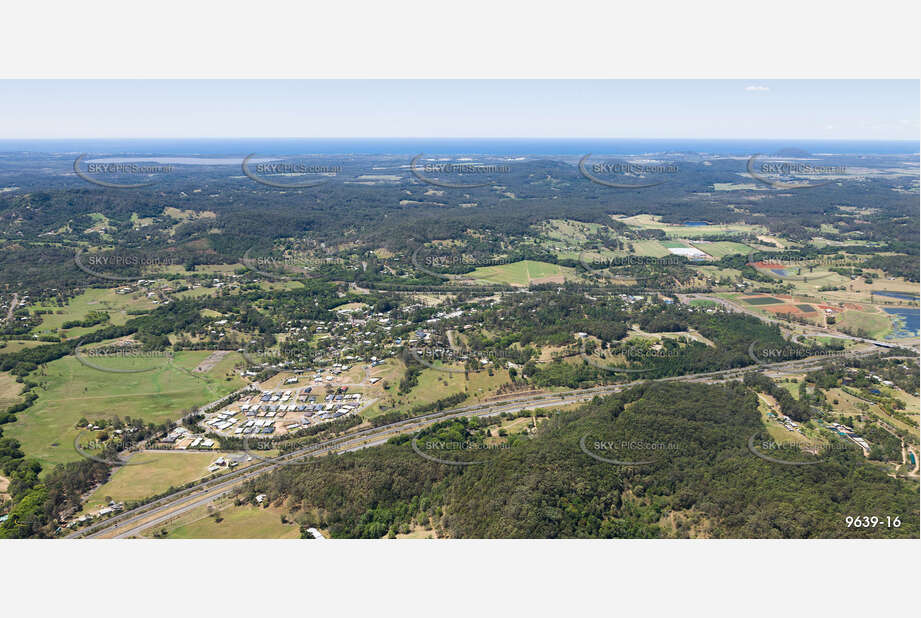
{"points": [[677, 109]]}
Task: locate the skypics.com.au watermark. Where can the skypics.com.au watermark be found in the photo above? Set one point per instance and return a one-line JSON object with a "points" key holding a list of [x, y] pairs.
{"points": [[621, 452], [81, 448], [251, 448], [271, 174], [632, 353], [296, 265], [122, 265], [435, 450], [601, 265], [791, 172], [627, 174], [777, 354], [775, 451], [778, 266], [425, 263], [122, 359], [429, 356], [119, 174], [456, 175], [807, 262]]}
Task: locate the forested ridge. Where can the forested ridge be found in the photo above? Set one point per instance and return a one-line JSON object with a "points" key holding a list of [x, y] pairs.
{"points": [[545, 486]]}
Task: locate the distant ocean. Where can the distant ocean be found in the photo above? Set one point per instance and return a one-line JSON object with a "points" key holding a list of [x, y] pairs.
{"points": [[449, 146]]}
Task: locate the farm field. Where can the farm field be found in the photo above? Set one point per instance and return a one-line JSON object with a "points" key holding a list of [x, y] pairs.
{"points": [[762, 300], [149, 474], [565, 230], [790, 387], [850, 405], [11, 347], [9, 390], [434, 385], [721, 248], [717, 273], [802, 279], [116, 305], [237, 522], [649, 248], [70, 391], [876, 325], [653, 222], [522, 273]]}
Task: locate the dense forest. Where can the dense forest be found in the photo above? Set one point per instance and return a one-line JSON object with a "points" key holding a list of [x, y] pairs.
{"points": [[215, 215], [545, 486]]}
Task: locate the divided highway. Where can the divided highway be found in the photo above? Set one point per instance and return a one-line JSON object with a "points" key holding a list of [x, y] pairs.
{"points": [[135, 521]]}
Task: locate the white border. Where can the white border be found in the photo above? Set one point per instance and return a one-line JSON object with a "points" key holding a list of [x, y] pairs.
{"points": [[473, 38], [476, 38], [444, 579]]}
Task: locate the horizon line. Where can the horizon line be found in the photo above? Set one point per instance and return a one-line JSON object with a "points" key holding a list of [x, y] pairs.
{"points": [[240, 137]]}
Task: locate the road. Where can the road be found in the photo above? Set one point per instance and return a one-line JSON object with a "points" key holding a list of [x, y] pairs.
{"points": [[135, 521], [13, 303]]}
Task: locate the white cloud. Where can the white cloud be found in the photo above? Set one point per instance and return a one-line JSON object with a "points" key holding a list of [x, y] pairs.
{"points": [[757, 88]]}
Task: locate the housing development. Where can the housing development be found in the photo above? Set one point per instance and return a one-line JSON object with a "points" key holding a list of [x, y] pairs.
{"points": [[452, 339]]}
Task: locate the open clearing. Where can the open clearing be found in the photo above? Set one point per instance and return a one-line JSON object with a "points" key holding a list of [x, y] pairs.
{"points": [[11, 347], [434, 385], [237, 522], [653, 222], [153, 474], [523, 273], [70, 390], [876, 325], [721, 248], [9, 391], [115, 305], [649, 248], [763, 300]]}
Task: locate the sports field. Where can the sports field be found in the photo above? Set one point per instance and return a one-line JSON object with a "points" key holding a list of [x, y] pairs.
{"points": [[70, 390]]}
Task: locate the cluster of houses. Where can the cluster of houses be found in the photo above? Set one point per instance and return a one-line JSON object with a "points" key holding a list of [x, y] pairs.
{"points": [[112, 507], [181, 438], [224, 463], [847, 432], [842, 430], [786, 421], [299, 407]]}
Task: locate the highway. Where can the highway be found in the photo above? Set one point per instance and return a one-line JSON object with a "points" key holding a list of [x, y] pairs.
{"points": [[134, 521]]}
